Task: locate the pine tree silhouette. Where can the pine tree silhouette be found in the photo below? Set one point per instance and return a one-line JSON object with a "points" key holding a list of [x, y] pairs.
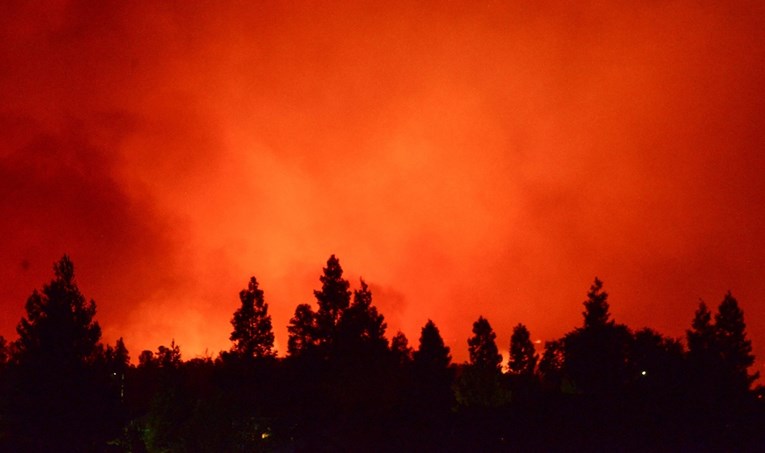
{"points": [[253, 335], [62, 400], [482, 346], [523, 356]]}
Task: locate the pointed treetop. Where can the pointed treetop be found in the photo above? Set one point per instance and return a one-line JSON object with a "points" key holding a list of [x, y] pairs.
{"points": [[334, 294], [121, 352], [361, 328], [432, 353], [523, 356], [253, 335], [702, 317], [59, 324], [252, 288], [333, 269], [64, 269], [701, 335], [729, 319], [482, 346], [363, 296], [735, 348], [371, 321], [596, 306], [399, 346], [333, 299]]}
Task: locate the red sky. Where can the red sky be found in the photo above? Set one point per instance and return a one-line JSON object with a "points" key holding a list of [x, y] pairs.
{"points": [[466, 159]]}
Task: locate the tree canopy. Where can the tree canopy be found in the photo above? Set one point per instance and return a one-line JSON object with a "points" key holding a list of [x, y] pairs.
{"points": [[432, 353], [596, 306], [523, 356], [482, 346], [253, 335], [58, 326], [343, 386]]}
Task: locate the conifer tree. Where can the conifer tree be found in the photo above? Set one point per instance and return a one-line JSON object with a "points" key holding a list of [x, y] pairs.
{"points": [[399, 346], [732, 344], [596, 355], [523, 356], [432, 374], [702, 343], [432, 353], [482, 346], [253, 335], [59, 328], [701, 336], [480, 384], [302, 331], [551, 364], [596, 306], [361, 324], [719, 356], [333, 299], [117, 357], [59, 401], [121, 354]]}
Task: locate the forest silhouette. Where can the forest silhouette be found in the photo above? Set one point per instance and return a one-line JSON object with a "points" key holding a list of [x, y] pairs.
{"points": [[345, 386]]}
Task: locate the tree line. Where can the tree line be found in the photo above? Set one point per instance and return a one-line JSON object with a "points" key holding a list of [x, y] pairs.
{"points": [[345, 386]]}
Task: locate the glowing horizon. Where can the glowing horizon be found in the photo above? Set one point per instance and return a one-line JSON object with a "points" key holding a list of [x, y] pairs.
{"points": [[465, 160]]}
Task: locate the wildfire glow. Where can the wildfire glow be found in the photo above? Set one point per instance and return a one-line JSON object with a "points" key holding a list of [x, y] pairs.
{"points": [[465, 159]]}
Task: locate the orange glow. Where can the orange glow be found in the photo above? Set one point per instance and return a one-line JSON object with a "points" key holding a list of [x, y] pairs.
{"points": [[465, 159]]}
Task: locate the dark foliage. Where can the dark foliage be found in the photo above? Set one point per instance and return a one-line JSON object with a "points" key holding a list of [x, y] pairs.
{"points": [[596, 307], [734, 348], [333, 298], [58, 329], [399, 346], [344, 387], [4, 352], [303, 337], [361, 329], [719, 381], [596, 354], [432, 354], [480, 383], [551, 365], [482, 347], [61, 397], [253, 334], [523, 355]]}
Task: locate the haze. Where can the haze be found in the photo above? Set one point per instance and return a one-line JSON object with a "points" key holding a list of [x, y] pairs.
{"points": [[466, 159]]}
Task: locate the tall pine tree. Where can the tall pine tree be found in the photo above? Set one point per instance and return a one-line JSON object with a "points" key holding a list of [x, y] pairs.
{"points": [[523, 356], [432, 374], [701, 336], [253, 335], [596, 306], [399, 346], [361, 327], [61, 400], [432, 353], [333, 299], [482, 346], [59, 328], [596, 355], [480, 383], [734, 347]]}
